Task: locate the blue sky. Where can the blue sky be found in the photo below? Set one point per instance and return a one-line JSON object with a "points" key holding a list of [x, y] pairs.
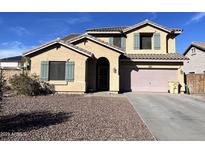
{"points": [[22, 31]]}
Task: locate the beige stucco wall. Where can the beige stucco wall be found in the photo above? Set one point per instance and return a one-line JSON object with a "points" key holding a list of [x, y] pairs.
{"points": [[167, 41], [155, 65], [171, 45], [63, 54], [106, 39], [149, 29], [112, 56]]}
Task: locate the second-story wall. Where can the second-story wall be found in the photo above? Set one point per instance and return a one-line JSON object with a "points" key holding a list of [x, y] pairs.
{"points": [[146, 29], [167, 41]]}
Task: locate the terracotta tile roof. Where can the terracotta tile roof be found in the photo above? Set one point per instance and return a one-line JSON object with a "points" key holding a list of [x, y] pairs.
{"points": [[168, 56], [108, 29], [70, 36], [127, 28], [97, 40]]}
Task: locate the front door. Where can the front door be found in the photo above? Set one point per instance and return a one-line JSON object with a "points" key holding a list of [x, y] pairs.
{"points": [[103, 75]]}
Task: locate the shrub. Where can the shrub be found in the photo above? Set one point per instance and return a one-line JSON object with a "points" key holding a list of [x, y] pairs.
{"points": [[24, 84], [2, 85]]}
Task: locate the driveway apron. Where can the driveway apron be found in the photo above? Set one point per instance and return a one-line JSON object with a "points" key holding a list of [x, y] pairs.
{"points": [[171, 117]]}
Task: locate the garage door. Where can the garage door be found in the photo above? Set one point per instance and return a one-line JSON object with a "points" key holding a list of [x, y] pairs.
{"points": [[152, 80]]}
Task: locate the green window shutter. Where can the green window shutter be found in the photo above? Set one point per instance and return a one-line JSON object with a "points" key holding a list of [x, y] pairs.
{"points": [[44, 70], [111, 40], [69, 72], [156, 41], [136, 41], [123, 43]]}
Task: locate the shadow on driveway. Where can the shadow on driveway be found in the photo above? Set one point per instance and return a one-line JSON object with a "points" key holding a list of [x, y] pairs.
{"points": [[28, 121]]}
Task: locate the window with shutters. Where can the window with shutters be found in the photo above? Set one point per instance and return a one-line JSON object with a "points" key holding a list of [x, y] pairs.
{"points": [[146, 40], [57, 70]]}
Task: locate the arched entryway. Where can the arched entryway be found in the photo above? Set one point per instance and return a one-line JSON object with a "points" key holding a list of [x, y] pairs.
{"points": [[102, 74]]}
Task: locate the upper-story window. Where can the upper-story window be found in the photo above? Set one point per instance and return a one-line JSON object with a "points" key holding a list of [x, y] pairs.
{"points": [[146, 40], [118, 41]]}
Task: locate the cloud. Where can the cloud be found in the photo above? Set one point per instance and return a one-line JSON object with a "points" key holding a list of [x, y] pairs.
{"points": [[13, 48], [70, 21], [21, 31], [154, 15], [196, 18]]}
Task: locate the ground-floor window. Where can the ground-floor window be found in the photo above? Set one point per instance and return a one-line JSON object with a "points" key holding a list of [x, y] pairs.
{"points": [[57, 70]]}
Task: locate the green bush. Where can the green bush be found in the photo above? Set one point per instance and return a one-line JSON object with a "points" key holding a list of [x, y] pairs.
{"points": [[24, 84]]}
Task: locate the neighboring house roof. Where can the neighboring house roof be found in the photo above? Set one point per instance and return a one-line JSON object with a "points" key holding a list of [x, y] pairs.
{"points": [[124, 29], [199, 45], [11, 59], [68, 45], [96, 40], [168, 56]]}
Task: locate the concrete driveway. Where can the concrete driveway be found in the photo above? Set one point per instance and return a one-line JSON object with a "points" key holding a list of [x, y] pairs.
{"points": [[171, 117]]}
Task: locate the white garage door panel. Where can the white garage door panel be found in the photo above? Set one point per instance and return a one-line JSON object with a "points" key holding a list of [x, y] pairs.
{"points": [[152, 80]]}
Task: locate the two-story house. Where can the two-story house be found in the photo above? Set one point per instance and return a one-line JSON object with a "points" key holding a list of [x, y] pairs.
{"points": [[140, 58], [196, 54]]}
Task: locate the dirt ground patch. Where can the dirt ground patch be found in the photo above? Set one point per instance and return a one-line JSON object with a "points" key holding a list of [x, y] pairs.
{"points": [[70, 117]]}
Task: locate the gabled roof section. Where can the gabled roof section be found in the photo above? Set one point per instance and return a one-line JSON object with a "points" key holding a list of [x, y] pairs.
{"points": [[125, 29], [199, 45], [169, 30], [58, 41], [168, 56], [94, 39]]}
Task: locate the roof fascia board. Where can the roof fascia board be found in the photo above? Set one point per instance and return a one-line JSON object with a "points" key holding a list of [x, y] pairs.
{"points": [[144, 23], [59, 43], [104, 32], [40, 47], [150, 60]]}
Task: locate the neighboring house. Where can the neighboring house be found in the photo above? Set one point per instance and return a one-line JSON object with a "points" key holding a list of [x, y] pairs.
{"points": [[10, 66], [196, 54], [11, 62], [141, 57]]}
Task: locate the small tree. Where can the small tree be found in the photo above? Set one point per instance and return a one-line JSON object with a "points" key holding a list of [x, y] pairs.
{"points": [[2, 84], [25, 64]]}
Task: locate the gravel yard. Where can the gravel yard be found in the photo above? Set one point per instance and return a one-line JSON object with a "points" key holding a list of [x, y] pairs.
{"points": [[70, 117]]}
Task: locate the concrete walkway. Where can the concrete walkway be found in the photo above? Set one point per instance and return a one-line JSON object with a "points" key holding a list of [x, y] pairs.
{"points": [[171, 117]]}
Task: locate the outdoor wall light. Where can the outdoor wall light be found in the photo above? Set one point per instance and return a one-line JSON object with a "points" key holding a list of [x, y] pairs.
{"points": [[181, 71], [114, 70]]}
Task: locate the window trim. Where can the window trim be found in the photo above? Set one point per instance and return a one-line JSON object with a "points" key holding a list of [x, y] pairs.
{"points": [[151, 40]]}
